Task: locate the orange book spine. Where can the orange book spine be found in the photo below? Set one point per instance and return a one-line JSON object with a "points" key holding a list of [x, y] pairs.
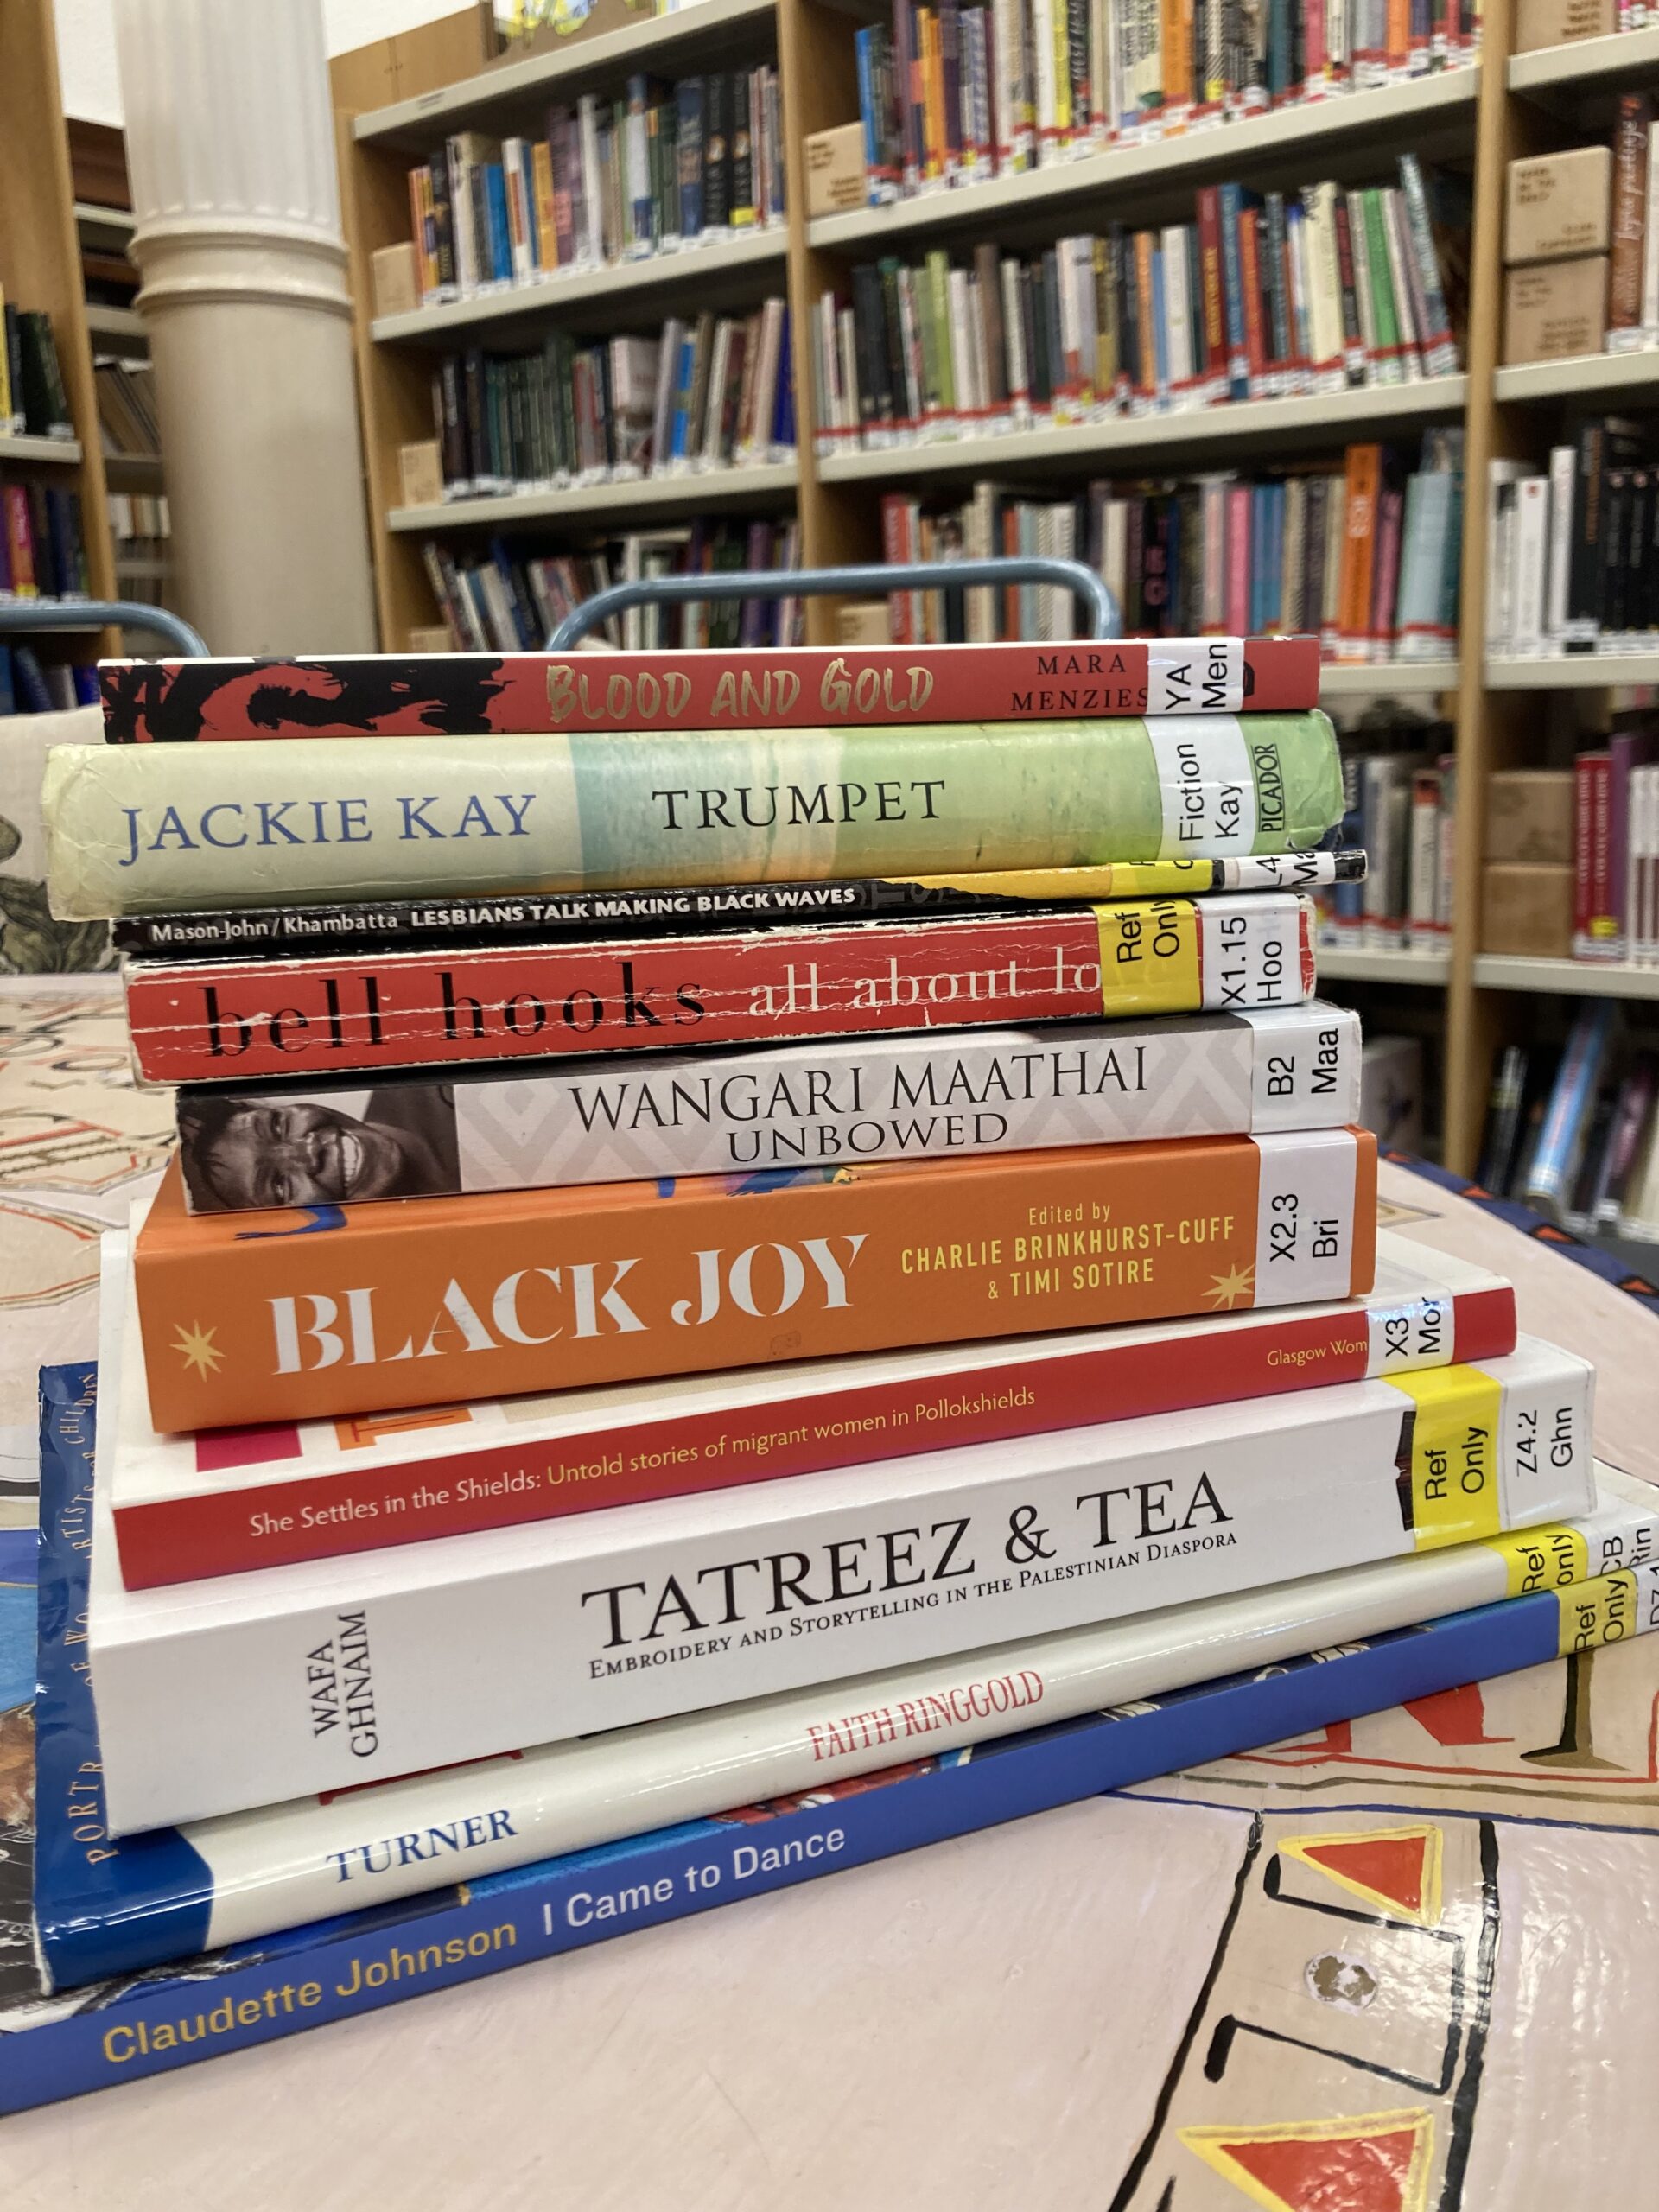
{"points": [[1361, 486], [388, 1305]]}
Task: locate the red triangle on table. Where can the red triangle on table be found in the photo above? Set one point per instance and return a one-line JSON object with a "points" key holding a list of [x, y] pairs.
{"points": [[1379, 2162], [1398, 1868]]}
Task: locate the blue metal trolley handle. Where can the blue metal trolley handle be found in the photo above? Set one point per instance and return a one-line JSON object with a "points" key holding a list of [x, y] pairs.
{"points": [[873, 581]]}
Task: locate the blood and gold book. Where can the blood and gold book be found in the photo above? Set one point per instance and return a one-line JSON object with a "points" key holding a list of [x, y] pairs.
{"points": [[154, 828], [211, 1021], [215, 1696], [277, 1316], [469, 695], [226, 1500]]}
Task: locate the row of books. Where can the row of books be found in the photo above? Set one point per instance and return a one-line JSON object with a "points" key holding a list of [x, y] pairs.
{"points": [[1263, 297], [43, 549], [715, 391], [33, 400], [952, 94], [126, 408], [1616, 846], [1400, 785], [504, 602], [1573, 1130], [1369, 559], [30, 685], [1574, 549], [663, 167], [850, 1404]]}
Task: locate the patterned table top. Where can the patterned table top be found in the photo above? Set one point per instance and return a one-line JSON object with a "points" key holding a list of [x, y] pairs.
{"points": [[1171, 2000]]}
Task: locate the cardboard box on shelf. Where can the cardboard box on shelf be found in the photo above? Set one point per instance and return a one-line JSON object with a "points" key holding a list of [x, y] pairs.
{"points": [[1561, 22], [420, 468], [1527, 910], [1559, 205], [1554, 309], [397, 291], [1529, 817], [834, 170]]}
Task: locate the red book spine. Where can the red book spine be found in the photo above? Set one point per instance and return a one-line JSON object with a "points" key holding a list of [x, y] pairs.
{"points": [[464, 695], [206, 1021], [1594, 927], [1211, 290], [231, 1530], [1255, 335]]}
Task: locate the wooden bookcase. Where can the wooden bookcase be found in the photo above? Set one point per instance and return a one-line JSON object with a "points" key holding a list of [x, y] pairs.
{"points": [[40, 267], [1468, 1005]]}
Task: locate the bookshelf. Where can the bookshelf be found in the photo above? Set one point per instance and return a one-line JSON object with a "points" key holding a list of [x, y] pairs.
{"points": [[1480, 116], [40, 267]]}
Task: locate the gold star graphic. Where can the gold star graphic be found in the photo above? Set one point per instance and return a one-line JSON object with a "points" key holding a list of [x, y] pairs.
{"points": [[196, 1347], [1227, 1290]]}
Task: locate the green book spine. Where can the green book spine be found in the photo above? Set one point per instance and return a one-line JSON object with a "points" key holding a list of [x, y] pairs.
{"points": [[1389, 367], [156, 828]]}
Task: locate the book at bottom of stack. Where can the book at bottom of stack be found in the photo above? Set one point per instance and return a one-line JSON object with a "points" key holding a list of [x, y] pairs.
{"points": [[517, 1449]]}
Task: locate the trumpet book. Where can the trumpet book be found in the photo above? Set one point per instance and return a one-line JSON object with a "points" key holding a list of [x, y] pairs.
{"points": [[153, 829]]}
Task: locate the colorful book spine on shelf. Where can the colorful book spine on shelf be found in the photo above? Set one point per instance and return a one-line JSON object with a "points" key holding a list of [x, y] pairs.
{"points": [[396, 921], [783, 1106], [221, 1501], [166, 1895], [451, 1298], [208, 1021], [609, 1618], [148, 828], [467, 695]]}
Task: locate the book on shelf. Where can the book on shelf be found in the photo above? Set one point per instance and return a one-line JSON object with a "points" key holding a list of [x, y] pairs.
{"points": [[443, 1132], [146, 828], [657, 167], [1570, 546], [163, 1895], [1400, 785], [417, 1305], [611, 1617], [713, 393], [388, 695], [397, 922], [1574, 1131], [43, 547], [228, 1501], [37, 403], [504, 600], [114, 1915], [30, 685], [1035, 86], [1223, 551], [126, 410], [202, 1021], [1226, 308]]}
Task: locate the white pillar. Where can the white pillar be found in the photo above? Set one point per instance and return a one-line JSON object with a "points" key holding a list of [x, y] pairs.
{"points": [[230, 148]]}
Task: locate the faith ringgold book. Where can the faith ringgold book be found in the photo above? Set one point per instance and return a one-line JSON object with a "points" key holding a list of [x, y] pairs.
{"points": [[213, 1697], [606, 1120], [225, 1500], [436, 921], [356, 1309], [210, 1022], [153, 829], [473, 695], [161, 1896], [141, 2022]]}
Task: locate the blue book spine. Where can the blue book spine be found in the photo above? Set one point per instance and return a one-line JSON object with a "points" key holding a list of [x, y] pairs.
{"points": [[495, 193], [1272, 595], [1569, 1112], [87, 693], [680, 436], [783, 413], [1348, 899], [1258, 555], [687, 98], [868, 116], [138, 1903], [7, 682], [1231, 207]]}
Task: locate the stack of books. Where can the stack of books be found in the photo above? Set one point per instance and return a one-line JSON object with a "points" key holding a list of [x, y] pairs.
{"points": [[780, 1229]]}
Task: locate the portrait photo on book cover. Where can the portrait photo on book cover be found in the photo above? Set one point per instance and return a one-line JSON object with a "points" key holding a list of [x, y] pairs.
{"points": [[242, 1150]]}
